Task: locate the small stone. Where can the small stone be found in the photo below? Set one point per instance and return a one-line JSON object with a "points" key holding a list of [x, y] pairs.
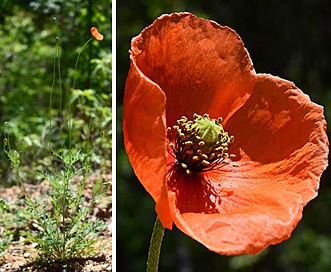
{"points": [[27, 254]]}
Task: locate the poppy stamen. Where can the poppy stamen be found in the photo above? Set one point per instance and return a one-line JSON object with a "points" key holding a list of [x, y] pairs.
{"points": [[200, 145]]}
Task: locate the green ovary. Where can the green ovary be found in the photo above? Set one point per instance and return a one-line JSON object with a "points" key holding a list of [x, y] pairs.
{"points": [[208, 129]]}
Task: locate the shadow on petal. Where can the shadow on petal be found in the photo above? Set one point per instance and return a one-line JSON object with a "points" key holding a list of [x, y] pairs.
{"points": [[277, 120], [195, 193]]}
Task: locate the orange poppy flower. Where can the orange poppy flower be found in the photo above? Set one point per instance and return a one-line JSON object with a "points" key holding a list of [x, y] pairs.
{"points": [[95, 33], [253, 194]]}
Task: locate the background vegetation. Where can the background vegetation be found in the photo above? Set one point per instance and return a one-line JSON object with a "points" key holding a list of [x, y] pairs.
{"points": [[291, 39], [30, 32]]}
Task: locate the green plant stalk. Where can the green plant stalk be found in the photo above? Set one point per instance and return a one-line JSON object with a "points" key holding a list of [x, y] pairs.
{"points": [[64, 216], [73, 87], [95, 193], [58, 54], [67, 178], [155, 247], [56, 64], [51, 95], [78, 197]]}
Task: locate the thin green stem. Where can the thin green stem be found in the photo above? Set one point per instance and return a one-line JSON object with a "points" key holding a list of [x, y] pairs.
{"points": [[52, 87], [58, 54], [76, 64], [155, 247], [73, 87], [51, 102]]}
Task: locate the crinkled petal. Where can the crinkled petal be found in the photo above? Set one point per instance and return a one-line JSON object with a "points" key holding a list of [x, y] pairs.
{"points": [[282, 148], [284, 136], [144, 134], [200, 65], [246, 222]]}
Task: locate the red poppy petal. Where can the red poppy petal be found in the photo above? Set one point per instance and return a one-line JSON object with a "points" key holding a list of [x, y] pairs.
{"points": [[250, 212], [144, 133], [284, 135], [95, 33], [233, 216], [200, 65], [247, 228]]}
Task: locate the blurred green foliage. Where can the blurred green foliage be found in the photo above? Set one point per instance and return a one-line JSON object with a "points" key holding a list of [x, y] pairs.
{"points": [[290, 39], [30, 74]]}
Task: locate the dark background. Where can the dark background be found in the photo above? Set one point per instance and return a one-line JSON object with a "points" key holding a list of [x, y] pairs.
{"points": [[290, 39]]}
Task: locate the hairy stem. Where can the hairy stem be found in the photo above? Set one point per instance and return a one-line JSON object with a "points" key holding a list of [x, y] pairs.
{"points": [[155, 247]]}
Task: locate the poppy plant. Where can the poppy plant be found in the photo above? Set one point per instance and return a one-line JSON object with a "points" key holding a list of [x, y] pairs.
{"points": [[230, 156]]}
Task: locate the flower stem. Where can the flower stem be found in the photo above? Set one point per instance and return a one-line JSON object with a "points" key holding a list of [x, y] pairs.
{"points": [[155, 247]]}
